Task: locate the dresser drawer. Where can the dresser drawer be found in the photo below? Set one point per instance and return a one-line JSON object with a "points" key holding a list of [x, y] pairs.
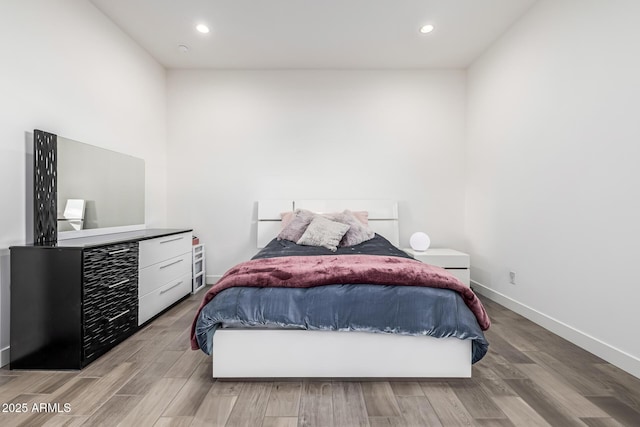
{"points": [[110, 326], [157, 250], [107, 265], [157, 275], [109, 271], [104, 302], [156, 301]]}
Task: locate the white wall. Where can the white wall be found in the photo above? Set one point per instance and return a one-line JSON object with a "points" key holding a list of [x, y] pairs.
{"points": [[552, 182], [67, 69], [236, 137]]}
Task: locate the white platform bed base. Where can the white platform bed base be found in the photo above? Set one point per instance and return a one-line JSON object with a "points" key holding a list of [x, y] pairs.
{"points": [[289, 353], [273, 353]]}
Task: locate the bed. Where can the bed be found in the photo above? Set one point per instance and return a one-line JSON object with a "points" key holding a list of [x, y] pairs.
{"points": [[354, 313]]}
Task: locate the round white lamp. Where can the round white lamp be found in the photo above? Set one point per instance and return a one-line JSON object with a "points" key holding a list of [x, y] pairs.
{"points": [[419, 241]]}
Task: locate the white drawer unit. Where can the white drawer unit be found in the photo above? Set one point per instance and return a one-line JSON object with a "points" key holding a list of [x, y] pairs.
{"points": [[199, 270], [455, 262], [159, 299], [165, 273]]}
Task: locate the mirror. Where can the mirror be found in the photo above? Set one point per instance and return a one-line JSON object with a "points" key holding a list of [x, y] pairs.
{"points": [[97, 188]]}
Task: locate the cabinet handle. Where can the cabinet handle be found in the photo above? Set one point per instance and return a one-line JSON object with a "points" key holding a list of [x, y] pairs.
{"points": [[168, 289], [118, 284], [119, 315], [172, 240], [121, 251], [171, 263]]}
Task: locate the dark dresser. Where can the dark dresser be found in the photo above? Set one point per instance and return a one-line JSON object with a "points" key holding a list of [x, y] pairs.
{"points": [[74, 301]]}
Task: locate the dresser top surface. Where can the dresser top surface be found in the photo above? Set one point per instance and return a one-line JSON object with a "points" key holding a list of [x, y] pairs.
{"points": [[113, 238]]}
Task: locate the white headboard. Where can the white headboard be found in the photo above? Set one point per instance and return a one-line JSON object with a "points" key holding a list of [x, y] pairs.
{"points": [[383, 215]]}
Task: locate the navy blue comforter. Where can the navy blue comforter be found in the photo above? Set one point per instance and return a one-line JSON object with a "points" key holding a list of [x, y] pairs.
{"points": [[407, 310]]}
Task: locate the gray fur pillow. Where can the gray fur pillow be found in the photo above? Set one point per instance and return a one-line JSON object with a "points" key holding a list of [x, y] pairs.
{"points": [[297, 226], [323, 232], [357, 233]]}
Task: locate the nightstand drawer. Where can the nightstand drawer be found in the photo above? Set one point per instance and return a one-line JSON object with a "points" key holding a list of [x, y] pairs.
{"points": [[441, 257], [455, 262], [462, 274]]}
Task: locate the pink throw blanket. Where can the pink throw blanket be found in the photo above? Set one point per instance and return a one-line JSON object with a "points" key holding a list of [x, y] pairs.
{"points": [[310, 271]]}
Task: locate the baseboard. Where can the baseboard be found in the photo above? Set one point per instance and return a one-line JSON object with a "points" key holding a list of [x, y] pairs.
{"points": [[613, 355], [4, 356]]}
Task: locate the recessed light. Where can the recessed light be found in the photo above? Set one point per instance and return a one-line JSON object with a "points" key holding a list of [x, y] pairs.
{"points": [[426, 28], [202, 28]]}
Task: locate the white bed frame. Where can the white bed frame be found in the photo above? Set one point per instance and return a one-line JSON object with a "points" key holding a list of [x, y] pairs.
{"points": [[291, 353]]}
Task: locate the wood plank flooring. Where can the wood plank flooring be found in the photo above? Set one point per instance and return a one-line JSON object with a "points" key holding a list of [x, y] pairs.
{"points": [[530, 377]]}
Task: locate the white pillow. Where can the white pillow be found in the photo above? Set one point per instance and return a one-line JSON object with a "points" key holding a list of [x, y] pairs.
{"points": [[323, 232]]}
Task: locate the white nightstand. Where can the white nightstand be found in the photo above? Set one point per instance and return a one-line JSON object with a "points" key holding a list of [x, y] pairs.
{"points": [[455, 262]]}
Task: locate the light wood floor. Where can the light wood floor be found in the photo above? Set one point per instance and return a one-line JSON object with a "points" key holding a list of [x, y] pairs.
{"points": [[530, 377]]}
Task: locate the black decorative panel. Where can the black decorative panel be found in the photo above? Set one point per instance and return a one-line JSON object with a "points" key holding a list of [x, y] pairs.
{"points": [[45, 191]]}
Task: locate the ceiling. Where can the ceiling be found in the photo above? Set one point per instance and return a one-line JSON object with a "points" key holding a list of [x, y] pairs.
{"points": [[314, 33]]}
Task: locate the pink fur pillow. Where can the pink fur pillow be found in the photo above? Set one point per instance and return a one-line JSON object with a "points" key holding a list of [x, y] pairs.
{"points": [[296, 225], [286, 218], [357, 233], [362, 216]]}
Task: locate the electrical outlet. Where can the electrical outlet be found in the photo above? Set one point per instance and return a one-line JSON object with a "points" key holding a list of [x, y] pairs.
{"points": [[512, 277]]}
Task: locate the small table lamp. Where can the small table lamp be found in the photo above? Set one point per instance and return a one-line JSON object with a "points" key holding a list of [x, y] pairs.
{"points": [[419, 241]]}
